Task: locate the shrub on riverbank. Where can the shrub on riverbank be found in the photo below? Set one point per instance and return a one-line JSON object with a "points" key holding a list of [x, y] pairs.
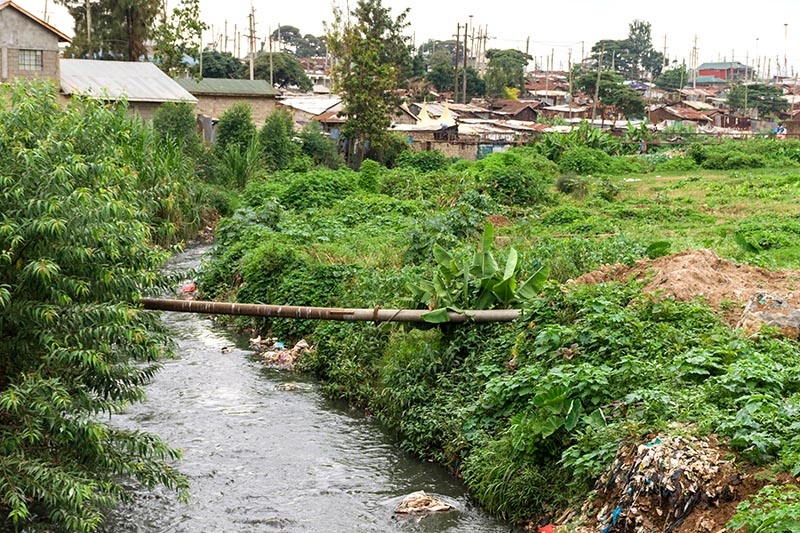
{"points": [[86, 194], [531, 412]]}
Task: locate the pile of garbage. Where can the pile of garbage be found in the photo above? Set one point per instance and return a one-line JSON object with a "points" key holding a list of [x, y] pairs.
{"points": [[421, 503], [655, 486], [276, 355]]}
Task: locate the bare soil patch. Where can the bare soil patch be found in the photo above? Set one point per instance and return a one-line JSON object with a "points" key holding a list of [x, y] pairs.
{"points": [[699, 274]]}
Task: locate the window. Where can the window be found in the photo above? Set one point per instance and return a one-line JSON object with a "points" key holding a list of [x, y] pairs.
{"points": [[30, 60]]}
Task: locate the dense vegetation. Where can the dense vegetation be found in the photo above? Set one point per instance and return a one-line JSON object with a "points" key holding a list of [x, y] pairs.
{"points": [[90, 200], [518, 409]]}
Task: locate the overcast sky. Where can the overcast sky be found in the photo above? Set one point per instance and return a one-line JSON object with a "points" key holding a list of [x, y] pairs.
{"points": [[730, 30]]}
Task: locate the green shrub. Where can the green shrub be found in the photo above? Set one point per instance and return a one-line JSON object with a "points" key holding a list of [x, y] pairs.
{"points": [[81, 201], [318, 188], [775, 508], [235, 127], [320, 148], [425, 161], [369, 177], [177, 120], [276, 142], [584, 160], [677, 164], [572, 184]]}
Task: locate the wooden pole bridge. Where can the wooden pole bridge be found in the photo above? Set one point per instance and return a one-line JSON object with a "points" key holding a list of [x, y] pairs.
{"points": [[322, 313]]}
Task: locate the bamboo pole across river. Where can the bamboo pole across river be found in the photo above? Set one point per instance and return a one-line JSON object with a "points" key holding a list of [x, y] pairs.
{"points": [[322, 313]]}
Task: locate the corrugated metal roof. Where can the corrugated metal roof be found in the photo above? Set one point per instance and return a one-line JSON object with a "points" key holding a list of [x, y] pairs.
{"points": [[223, 86], [723, 65], [112, 80], [314, 105]]}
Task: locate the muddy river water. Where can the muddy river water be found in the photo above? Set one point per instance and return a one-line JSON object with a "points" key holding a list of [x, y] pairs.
{"points": [[263, 459]]}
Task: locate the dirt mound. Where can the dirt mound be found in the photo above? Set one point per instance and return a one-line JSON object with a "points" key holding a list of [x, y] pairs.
{"points": [[693, 274]]}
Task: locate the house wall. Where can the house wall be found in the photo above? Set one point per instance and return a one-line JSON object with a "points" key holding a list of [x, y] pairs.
{"points": [[215, 106], [462, 150], [18, 32]]}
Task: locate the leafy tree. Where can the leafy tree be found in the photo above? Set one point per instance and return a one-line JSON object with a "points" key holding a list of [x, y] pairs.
{"points": [[286, 70], [767, 99], [276, 140], [119, 29], [286, 38], [633, 56], [673, 78], [506, 68], [236, 127], [75, 254], [311, 46], [221, 65], [320, 148], [177, 120], [612, 92], [370, 56], [178, 38]]}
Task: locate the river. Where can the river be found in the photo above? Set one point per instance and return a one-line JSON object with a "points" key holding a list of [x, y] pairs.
{"points": [[262, 459]]}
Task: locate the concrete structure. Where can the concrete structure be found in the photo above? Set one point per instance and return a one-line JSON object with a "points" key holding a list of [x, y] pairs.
{"points": [[143, 85], [28, 45], [727, 70], [215, 96]]}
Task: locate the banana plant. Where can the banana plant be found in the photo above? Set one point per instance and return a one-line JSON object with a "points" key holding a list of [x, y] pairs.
{"points": [[478, 283]]}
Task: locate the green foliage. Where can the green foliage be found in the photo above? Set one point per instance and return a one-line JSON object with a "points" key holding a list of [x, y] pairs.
{"points": [[282, 70], [276, 142], [519, 177], [178, 37], [673, 78], [774, 508], [319, 188], [370, 55], [475, 283], [572, 184], [425, 161], [235, 127], [584, 160], [80, 190], [320, 148], [176, 120], [119, 30], [767, 99], [369, 177], [505, 69], [631, 57], [221, 65], [240, 164]]}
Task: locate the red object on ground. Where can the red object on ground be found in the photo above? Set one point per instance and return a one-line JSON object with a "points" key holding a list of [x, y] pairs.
{"points": [[547, 529]]}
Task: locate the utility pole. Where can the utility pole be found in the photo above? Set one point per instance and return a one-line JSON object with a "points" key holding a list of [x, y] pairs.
{"points": [[458, 45], [252, 40], [665, 52], [597, 83], [225, 48], [785, 48], [569, 66], [464, 84], [271, 76], [472, 40], [89, 29], [694, 63]]}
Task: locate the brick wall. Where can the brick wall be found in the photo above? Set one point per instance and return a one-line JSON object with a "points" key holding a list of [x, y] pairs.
{"points": [[49, 66], [215, 106]]}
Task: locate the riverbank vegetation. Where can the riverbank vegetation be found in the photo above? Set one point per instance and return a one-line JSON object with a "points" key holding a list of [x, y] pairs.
{"points": [[531, 413], [91, 200]]}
